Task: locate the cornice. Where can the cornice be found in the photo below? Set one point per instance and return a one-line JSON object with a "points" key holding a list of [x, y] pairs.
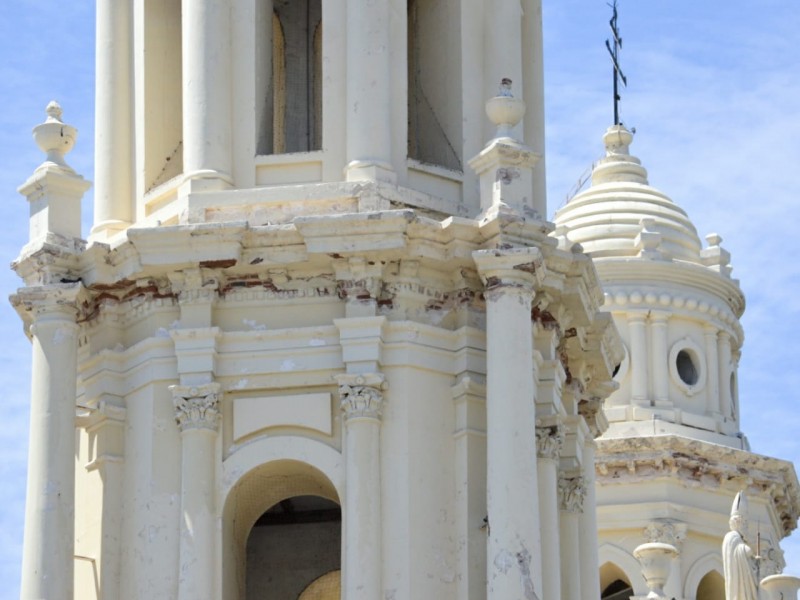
{"points": [[700, 464]]}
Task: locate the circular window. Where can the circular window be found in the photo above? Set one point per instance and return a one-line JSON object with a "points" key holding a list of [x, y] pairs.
{"points": [[687, 369], [687, 366]]}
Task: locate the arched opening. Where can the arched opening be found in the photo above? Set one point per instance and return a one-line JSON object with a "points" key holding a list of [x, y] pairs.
{"points": [[161, 91], [294, 550], [712, 587], [613, 583], [290, 50], [434, 83], [281, 533]]}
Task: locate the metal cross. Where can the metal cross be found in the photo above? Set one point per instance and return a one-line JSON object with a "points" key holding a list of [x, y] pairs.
{"points": [[614, 52]]}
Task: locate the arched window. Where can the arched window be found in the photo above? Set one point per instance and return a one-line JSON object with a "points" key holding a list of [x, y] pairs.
{"points": [[712, 587], [613, 583], [291, 120], [294, 550]]}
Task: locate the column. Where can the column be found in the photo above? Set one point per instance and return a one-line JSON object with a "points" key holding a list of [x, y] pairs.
{"points": [[659, 360], [113, 150], [197, 414], [714, 405], [638, 357], [513, 546], [724, 352], [588, 531], [571, 496], [533, 94], [362, 405], [469, 438], [549, 442], [369, 99], [49, 538], [207, 90]]}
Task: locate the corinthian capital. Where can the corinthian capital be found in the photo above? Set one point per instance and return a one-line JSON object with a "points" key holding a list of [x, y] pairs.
{"points": [[361, 396], [549, 441], [571, 493], [196, 407]]}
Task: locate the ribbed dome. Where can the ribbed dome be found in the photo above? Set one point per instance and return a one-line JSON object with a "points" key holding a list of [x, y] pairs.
{"points": [[620, 215]]}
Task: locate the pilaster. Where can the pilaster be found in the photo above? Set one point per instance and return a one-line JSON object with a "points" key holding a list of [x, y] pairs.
{"points": [[572, 493], [362, 398], [549, 443], [197, 413]]}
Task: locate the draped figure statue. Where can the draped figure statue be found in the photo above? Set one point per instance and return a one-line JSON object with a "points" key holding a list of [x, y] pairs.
{"points": [[738, 559]]}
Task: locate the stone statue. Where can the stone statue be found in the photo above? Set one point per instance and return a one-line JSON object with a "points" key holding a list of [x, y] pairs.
{"points": [[738, 559]]}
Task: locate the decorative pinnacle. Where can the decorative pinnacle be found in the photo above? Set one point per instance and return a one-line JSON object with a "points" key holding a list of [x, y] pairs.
{"points": [[53, 111], [54, 137], [505, 111]]}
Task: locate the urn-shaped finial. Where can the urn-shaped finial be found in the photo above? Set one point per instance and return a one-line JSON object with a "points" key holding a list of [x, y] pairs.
{"points": [[504, 110], [54, 137], [781, 587], [655, 559]]}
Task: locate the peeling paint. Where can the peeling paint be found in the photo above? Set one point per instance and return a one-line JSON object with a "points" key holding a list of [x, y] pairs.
{"points": [[288, 365], [255, 325]]}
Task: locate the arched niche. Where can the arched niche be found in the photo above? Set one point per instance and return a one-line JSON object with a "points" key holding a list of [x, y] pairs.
{"points": [[712, 587], [618, 564], [260, 476], [701, 568]]}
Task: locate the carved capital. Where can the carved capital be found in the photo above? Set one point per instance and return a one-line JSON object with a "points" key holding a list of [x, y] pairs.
{"points": [[501, 270], [196, 407], [666, 532], [361, 396], [549, 441], [571, 494]]}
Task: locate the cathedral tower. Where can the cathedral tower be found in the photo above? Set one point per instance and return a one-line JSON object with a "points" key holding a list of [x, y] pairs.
{"points": [[320, 342], [674, 455]]}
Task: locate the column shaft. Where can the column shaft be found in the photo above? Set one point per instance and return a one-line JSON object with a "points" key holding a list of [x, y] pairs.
{"points": [[49, 539], [571, 495], [113, 150], [638, 358], [362, 403], [513, 551], [369, 99], [362, 511], [206, 88], [197, 413], [548, 515], [712, 360], [570, 555], [533, 95], [659, 359], [589, 543]]}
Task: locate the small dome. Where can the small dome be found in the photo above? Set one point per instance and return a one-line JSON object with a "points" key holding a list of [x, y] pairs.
{"points": [[621, 215]]}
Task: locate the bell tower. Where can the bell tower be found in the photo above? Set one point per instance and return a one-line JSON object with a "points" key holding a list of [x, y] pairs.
{"points": [[249, 97], [320, 341]]}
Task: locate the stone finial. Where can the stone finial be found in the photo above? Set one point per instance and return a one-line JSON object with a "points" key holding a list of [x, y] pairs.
{"points": [[505, 111], [54, 137], [655, 560]]}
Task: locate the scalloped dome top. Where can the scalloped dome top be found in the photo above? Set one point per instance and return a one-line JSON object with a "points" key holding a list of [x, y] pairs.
{"points": [[621, 215]]}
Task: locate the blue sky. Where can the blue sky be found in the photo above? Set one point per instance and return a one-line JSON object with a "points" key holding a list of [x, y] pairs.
{"points": [[714, 91]]}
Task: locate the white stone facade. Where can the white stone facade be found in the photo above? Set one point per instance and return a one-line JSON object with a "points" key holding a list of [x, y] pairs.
{"points": [[377, 342]]}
